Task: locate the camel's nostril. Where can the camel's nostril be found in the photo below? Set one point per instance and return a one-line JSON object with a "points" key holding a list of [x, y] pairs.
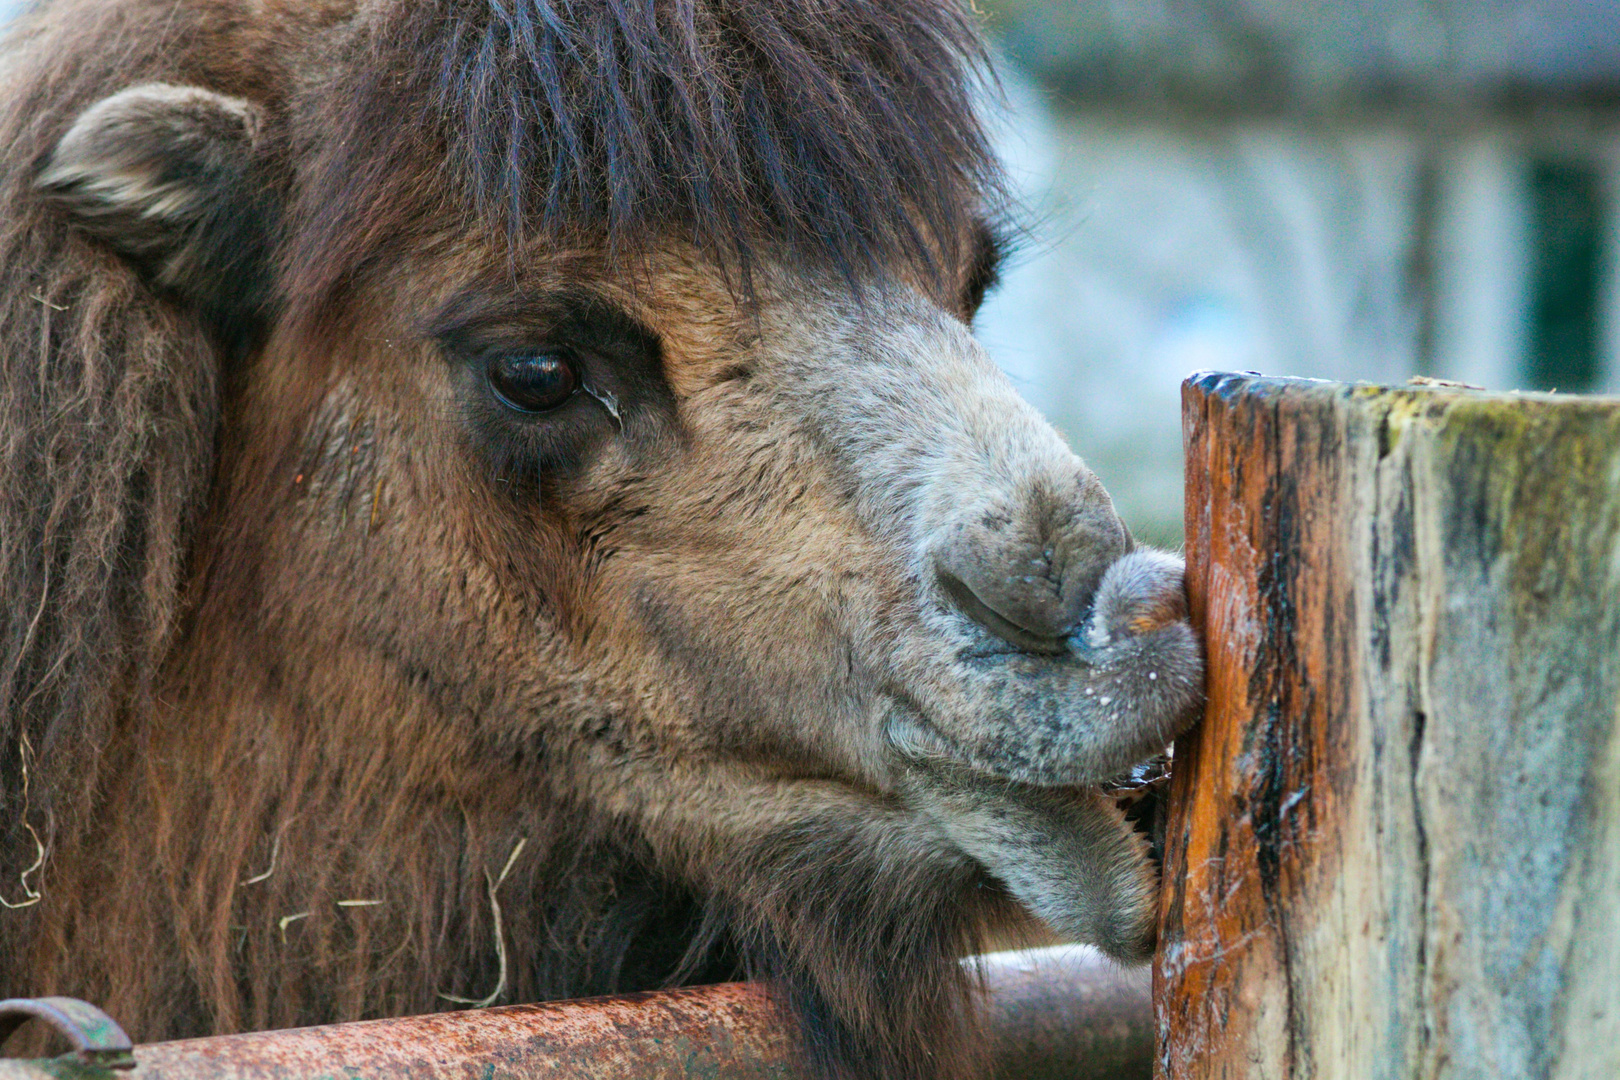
{"points": [[1023, 637]]}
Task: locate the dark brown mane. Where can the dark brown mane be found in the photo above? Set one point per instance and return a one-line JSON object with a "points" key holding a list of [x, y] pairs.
{"points": [[843, 130], [106, 444]]}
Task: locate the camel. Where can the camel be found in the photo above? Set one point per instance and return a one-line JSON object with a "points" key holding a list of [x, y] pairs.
{"points": [[502, 502]]}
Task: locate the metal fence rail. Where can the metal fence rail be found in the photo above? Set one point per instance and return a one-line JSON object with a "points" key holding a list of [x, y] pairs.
{"points": [[1054, 1014]]}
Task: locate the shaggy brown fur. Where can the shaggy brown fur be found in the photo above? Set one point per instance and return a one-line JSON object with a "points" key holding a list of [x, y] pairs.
{"points": [[313, 652]]}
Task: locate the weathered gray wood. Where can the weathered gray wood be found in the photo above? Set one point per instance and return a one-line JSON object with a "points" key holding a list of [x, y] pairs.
{"points": [[1394, 848]]}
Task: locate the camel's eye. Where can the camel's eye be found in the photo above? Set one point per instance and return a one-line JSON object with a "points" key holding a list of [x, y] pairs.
{"points": [[533, 382]]}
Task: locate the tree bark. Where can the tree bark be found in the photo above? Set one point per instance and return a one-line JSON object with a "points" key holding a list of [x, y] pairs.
{"points": [[1393, 847]]}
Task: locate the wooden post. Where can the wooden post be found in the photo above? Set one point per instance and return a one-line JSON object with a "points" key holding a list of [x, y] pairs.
{"points": [[1393, 847]]}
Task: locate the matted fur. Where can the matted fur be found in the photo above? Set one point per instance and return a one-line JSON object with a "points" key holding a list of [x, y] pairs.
{"points": [[261, 801]]}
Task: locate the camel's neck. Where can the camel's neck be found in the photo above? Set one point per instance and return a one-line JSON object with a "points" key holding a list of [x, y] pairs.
{"points": [[267, 853]]}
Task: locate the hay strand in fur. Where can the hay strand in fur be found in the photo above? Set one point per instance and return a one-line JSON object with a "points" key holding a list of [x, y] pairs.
{"points": [[500, 933]]}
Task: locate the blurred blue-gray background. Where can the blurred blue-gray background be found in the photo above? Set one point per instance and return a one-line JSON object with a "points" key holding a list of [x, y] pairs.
{"points": [[1363, 190]]}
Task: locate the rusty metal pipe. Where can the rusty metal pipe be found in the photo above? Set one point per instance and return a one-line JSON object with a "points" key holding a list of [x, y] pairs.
{"points": [[1054, 1014]]}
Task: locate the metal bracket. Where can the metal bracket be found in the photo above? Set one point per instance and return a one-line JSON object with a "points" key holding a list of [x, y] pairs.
{"points": [[96, 1037]]}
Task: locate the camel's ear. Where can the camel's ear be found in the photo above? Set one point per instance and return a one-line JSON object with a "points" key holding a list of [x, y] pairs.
{"points": [[172, 178]]}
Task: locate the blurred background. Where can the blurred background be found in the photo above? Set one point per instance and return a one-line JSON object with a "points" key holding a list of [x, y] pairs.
{"points": [[1351, 190], [1366, 190]]}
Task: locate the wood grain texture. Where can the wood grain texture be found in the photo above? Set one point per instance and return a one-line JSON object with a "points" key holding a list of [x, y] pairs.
{"points": [[1394, 842]]}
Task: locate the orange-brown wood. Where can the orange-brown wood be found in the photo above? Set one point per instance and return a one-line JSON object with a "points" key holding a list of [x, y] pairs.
{"points": [[1255, 785], [1393, 847]]}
